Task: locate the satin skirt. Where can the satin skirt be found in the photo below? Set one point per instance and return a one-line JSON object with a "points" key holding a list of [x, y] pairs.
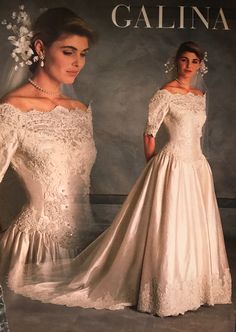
{"points": [[164, 253]]}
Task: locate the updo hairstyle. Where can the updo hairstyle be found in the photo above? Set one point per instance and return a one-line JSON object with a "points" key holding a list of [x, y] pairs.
{"points": [[53, 23]]}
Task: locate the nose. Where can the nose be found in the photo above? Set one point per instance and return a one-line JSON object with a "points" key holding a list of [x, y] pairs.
{"points": [[79, 61], [76, 63]]}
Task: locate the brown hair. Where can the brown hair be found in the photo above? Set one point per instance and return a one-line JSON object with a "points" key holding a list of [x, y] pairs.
{"points": [[54, 22], [189, 46]]}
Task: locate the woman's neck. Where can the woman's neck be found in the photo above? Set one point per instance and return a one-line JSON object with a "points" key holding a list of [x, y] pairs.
{"points": [[184, 82], [46, 83]]}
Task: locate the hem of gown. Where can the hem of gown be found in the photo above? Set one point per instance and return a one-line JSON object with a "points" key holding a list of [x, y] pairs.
{"points": [[219, 294], [28, 293], [118, 306], [182, 312], [179, 298]]}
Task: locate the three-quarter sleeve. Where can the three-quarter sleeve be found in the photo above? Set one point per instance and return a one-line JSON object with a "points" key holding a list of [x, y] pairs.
{"points": [[8, 137], [157, 110]]}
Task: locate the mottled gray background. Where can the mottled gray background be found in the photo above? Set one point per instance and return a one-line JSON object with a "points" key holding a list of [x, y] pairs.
{"points": [[123, 71]]}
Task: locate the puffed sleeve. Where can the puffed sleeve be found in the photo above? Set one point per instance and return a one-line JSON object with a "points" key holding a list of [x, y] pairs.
{"points": [[157, 110], [9, 123]]}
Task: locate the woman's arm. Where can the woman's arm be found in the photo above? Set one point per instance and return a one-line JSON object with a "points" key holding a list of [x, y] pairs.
{"points": [[149, 146], [157, 110]]}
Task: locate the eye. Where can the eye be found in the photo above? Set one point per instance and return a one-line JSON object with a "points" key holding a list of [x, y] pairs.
{"points": [[83, 54], [67, 52], [196, 61]]}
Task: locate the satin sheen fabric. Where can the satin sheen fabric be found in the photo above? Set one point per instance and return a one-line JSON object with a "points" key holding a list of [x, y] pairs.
{"points": [[164, 253], [52, 153]]}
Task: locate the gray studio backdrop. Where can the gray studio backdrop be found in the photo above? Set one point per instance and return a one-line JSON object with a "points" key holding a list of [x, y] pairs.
{"points": [[125, 68]]}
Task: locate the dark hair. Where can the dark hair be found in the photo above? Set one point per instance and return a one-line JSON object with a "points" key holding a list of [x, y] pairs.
{"points": [[189, 46], [54, 22]]}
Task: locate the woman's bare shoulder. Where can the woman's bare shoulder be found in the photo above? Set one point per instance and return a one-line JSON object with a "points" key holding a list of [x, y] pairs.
{"points": [[171, 87], [17, 97], [24, 99], [74, 103], [197, 92]]}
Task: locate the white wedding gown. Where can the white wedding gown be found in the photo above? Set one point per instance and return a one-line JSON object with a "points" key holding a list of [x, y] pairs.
{"points": [[164, 253], [53, 154]]}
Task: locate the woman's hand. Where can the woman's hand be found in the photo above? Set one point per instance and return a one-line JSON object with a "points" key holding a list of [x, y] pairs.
{"points": [[149, 146]]}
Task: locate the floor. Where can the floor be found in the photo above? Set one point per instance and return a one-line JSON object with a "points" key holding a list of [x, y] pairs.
{"points": [[25, 315]]}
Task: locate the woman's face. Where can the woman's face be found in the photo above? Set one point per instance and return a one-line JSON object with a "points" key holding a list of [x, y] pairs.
{"points": [[188, 64], [65, 58]]}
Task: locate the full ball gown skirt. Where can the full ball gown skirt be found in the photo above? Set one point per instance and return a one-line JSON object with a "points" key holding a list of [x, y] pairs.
{"points": [[52, 153], [164, 253]]}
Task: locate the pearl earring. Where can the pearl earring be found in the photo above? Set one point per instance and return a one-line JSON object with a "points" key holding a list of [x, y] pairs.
{"points": [[42, 60]]}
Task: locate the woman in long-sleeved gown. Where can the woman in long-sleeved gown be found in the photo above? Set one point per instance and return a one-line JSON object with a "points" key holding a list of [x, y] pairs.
{"points": [[164, 253]]}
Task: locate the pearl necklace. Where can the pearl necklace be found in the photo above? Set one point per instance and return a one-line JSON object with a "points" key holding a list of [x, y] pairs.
{"points": [[38, 87]]}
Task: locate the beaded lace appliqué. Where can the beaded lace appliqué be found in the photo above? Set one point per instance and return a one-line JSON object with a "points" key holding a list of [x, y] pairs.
{"points": [[184, 117], [54, 156], [177, 298]]}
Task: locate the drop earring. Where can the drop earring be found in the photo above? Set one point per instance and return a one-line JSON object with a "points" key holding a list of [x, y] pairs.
{"points": [[42, 60]]}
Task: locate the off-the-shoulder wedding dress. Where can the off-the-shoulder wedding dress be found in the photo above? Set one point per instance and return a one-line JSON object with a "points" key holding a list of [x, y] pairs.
{"points": [[164, 253], [52, 153]]}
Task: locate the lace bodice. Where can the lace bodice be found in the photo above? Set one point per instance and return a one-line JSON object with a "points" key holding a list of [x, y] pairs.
{"points": [[53, 154], [184, 117]]}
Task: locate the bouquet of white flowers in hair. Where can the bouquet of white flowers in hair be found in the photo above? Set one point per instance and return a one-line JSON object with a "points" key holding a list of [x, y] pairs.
{"points": [[3, 320], [21, 34]]}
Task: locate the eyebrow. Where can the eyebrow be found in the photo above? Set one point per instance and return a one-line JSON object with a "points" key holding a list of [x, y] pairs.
{"points": [[192, 59], [74, 48]]}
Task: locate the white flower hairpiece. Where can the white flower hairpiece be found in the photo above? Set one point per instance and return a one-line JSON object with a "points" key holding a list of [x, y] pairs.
{"points": [[171, 65], [204, 68], [20, 25]]}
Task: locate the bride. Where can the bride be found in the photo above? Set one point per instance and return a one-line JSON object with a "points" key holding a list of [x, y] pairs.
{"points": [[164, 253], [48, 139]]}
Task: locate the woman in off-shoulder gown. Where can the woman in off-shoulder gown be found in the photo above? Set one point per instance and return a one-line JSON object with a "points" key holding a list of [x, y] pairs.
{"points": [[164, 253], [48, 140]]}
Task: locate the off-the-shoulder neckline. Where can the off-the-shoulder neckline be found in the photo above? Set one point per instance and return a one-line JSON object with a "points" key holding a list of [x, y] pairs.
{"points": [[182, 94], [54, 109]]}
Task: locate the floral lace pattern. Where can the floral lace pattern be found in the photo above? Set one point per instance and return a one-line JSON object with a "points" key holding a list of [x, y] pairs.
{"points": [[184, 117], [175, 299], [53, 153], [152, 297]]}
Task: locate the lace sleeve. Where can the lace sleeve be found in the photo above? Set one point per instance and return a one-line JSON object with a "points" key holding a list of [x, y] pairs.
{"points": [[90, 119], [8, 137], [157, 110]]}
